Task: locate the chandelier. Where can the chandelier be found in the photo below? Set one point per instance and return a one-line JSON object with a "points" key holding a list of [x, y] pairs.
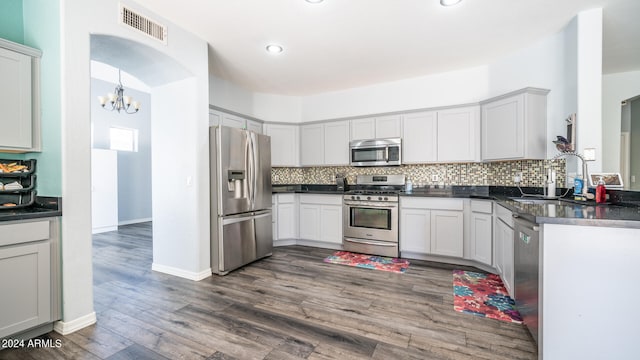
{"points": [[118, 101]]}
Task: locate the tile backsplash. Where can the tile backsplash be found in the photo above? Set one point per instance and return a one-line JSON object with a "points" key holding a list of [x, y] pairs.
{"points": [[493, 173]]}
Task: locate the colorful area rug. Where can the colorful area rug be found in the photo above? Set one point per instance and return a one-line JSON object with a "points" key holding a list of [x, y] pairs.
{"points": [[368, 261], [483, 295]]}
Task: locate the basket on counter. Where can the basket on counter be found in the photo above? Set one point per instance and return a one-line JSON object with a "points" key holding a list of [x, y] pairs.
{"points": [[18, 181]]}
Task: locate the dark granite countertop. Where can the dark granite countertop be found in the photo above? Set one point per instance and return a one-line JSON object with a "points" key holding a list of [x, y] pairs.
{"points": [[43, 207], [624, 212], [306, 189]]}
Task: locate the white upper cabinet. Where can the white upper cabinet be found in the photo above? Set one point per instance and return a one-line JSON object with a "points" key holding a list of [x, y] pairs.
{"points": [[420, 138], [459, 134], [312, 145], [19, 97], [217, 117], [336, 143], [254, 126], [377, 128], [514, 126], [389, 126], [233, 121], [362, 129], [284, 144], [324, 144]]}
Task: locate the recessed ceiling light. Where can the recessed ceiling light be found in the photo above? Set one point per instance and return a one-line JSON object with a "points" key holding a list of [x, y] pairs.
{"points": [[449, 2], [314, 1], [274, 49]]}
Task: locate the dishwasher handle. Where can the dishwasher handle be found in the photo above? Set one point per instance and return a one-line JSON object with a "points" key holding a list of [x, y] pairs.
{"points": [[525, 224]]}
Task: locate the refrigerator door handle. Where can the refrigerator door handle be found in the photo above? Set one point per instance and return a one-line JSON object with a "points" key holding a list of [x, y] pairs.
{"points": [[249, 166], [245, 217], [255, 168]]}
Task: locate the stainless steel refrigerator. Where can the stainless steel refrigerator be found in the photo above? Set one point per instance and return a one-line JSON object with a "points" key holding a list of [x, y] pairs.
{"points": [[240, 177]]}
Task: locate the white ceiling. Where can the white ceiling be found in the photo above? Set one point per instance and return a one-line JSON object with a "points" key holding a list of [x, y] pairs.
{"points": [[341, 44]]}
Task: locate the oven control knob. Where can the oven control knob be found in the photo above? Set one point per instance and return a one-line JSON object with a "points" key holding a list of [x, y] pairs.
{"points": [[386, 198], [380, 198], [368, 197], [353, 197], [357, 197]]}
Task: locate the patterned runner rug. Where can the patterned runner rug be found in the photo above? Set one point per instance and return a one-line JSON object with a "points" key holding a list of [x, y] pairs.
{"points": [[483, 295], [368, 261]]}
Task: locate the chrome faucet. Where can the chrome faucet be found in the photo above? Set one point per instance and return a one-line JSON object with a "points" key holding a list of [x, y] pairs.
{"points": [[585, 174]]}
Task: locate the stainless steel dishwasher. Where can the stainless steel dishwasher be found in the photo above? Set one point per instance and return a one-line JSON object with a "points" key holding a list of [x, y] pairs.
{"points": [[526, 263]]}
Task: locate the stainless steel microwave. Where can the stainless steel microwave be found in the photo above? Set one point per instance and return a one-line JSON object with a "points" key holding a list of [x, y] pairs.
{"points": [[376, 152]]}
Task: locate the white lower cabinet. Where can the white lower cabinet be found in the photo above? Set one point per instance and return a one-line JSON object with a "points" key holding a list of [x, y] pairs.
{"points": [[504, 248], [415, 230], [447, 232], [310, 221], [29, 263], [481, 232], [321, 218], [432, 226], [286, 215]]}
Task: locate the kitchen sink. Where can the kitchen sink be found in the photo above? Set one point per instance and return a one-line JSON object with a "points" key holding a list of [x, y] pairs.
{"points": [[540, 201]]}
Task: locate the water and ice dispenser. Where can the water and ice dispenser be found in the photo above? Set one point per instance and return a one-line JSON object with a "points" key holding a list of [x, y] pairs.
{"points": [[236, 183]]}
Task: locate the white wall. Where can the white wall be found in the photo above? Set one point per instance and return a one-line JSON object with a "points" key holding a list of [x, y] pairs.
{"points": [[589, 123], [267, 107], [540, 65], [450, 88], [615, 88], [551, 63], [134, 167], [180, 241], [80, 19]]}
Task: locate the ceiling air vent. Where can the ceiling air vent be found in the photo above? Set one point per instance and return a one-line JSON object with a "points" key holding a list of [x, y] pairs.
{"points": [[143, 24]]}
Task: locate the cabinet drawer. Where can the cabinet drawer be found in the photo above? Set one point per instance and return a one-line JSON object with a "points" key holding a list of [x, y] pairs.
{"points": [[286, 198], [320, 199], [22, 232], [431, 203], [482, 206], [504, 215]]}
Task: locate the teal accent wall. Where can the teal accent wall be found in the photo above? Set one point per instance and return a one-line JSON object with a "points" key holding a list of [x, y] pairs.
{"points": [[42, 31], [11, 27]]}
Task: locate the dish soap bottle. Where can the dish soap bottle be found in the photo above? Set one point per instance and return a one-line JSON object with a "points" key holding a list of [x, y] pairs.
{"points": [[408, 187], [601, 191], [578, 183]]}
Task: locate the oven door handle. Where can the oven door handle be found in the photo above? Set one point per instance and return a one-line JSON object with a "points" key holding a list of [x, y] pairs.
{"points": [[369, 204], [386, 153], [375, 243]]}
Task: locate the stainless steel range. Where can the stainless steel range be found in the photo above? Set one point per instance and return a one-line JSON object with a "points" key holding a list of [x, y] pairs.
{"points": [[370, 215]]}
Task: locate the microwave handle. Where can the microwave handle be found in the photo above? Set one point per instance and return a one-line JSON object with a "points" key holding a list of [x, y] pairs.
{"points": [[386, 153]]}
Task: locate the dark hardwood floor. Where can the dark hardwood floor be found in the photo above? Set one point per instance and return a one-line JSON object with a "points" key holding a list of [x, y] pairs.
{"points": [[288, 306]]}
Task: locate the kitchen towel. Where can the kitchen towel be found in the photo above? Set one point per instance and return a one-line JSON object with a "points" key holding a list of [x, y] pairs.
{"points": [[483, 295], [368, 261]]}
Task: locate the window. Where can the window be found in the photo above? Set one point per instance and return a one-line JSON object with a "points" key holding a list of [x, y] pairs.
{"points": [[123, 139]]}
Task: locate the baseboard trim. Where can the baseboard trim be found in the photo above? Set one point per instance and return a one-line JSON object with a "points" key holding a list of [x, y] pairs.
{"points": [[134, 221], [448, 260], [319, 244], [67, 327], [190, 275], [103, 229], [284, 242]]}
